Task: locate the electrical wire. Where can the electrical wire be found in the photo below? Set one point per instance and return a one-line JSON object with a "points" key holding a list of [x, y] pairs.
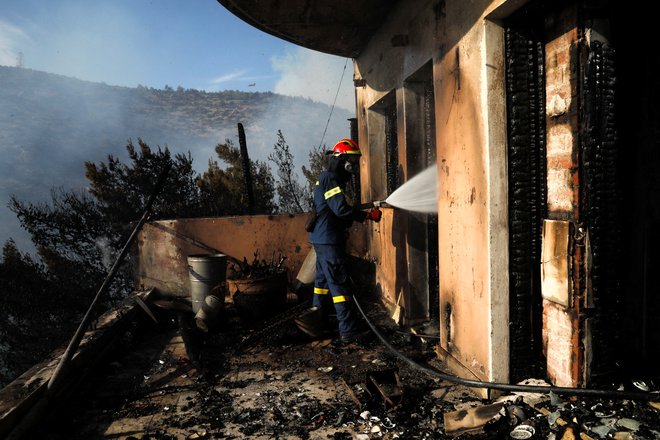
{"points": [[582, 392], [333, 104]]}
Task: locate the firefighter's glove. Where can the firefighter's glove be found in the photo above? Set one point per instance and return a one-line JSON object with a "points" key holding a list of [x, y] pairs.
{"points": [[374, 215]]}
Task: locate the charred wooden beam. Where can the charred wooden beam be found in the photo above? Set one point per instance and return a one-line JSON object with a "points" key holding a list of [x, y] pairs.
{"points": [[247, 172], [24, 402]]}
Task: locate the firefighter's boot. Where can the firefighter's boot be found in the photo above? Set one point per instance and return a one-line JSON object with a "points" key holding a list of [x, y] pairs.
{"points": [[315, 323]]}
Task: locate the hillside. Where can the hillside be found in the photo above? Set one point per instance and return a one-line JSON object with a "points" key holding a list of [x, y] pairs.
{"points": [[51, 124]]}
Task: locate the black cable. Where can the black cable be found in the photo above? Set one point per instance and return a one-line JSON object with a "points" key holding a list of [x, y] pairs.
{"points": [[583, 392], [333, 104], [419, 335]]}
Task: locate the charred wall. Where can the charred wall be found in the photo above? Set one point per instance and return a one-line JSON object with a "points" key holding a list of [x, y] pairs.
{"points": [[602, 208], [598, 115], [525, 76]]}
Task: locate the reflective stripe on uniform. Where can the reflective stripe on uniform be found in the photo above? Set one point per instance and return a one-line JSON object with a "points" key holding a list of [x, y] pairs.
{"points": [[320, 291], [334, 191], [340, 298]]}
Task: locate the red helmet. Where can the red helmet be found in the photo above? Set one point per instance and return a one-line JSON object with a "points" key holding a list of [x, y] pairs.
{"points": [[345, 146]]}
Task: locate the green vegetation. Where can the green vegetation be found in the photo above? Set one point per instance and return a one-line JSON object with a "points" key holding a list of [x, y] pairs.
{"points": [[223, 189]]}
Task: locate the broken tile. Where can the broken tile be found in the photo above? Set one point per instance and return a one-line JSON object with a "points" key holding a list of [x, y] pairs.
{"points": [[601, 430], [630, 424]]}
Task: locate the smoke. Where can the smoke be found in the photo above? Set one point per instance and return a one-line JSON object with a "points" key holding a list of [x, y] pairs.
{"points": [[11, 39], [107, 254], [316, 76]]}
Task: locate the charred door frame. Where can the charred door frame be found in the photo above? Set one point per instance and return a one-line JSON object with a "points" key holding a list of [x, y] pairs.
{"points": [[601, 205], [525, 91], [383, 145]]}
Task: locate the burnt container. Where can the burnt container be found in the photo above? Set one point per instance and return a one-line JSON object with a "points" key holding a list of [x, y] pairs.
{"points": [[261, 297], [207, 273]]}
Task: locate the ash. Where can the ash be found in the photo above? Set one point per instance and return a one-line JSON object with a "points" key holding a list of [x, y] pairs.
{"points": [[243, 381]]}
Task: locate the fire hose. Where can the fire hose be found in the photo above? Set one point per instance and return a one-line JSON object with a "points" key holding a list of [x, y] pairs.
{"points": [[567, 391]]}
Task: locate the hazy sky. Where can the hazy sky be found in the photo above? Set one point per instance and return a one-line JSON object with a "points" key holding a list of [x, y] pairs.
{"points": [[189, 43]]}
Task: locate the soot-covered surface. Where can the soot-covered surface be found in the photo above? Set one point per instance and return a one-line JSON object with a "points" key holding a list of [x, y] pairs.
{"points": [[171, 382]]}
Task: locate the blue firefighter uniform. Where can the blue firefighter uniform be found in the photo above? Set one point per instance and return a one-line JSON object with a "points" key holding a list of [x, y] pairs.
{"points": [[334, 215]]}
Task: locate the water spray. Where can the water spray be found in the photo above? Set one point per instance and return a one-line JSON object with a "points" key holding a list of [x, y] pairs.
{"points": [[419, 194]]}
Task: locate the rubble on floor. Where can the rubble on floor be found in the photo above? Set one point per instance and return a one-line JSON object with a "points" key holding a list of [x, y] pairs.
{"points": [[173, 382]]}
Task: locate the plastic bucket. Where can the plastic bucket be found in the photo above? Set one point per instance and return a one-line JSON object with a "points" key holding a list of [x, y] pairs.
{"points": [[207, 274]]}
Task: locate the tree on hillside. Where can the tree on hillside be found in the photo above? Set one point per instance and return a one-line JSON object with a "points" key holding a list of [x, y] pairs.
{"points": [[122, 190], [66, 233], [293, 198], [223, 191], [318, 161], [78, 234]]}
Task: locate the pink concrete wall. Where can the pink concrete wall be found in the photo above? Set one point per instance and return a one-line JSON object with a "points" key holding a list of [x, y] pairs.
{"points": [[467, 74]]}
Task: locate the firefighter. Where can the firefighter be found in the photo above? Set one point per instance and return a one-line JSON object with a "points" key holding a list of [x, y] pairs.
{"points": [[334, 214]]}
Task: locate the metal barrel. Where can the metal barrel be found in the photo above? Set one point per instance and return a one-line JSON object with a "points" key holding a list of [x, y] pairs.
{"points": [[207, 274]]}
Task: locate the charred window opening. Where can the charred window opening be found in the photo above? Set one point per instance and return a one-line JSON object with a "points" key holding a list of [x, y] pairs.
{"points": [[432, 219], [383, 148], [525, 78], [391, 150], [422, 229]]}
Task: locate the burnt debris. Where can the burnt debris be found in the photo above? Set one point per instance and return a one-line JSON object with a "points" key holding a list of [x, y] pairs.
{"points": [[257, 268]]}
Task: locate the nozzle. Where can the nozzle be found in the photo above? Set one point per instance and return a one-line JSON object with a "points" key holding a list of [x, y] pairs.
{"points": [[374, 204]]}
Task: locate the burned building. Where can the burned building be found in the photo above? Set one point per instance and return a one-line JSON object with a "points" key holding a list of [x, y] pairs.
{"points": [[541, 119]]}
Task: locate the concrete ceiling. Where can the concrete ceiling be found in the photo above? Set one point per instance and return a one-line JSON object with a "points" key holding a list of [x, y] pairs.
{"points": [[338, 27]]}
